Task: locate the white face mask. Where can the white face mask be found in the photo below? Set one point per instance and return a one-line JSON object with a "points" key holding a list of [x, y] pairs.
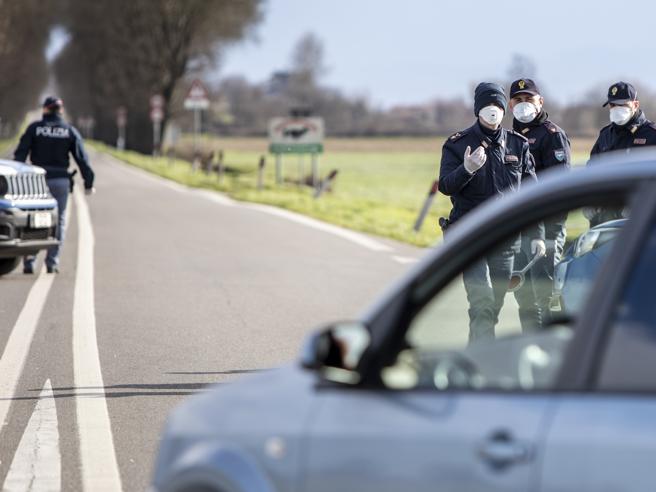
{"points": [[620, 115], [492, 115], [525, 112]]}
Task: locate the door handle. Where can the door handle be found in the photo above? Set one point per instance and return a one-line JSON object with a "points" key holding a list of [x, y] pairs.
{"points": [[502, 450]]}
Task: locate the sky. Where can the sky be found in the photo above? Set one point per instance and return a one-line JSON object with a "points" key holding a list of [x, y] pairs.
{"points": [[414, 51]]}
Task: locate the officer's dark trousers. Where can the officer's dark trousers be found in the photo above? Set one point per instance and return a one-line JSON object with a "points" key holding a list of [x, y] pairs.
{"points": [[486, 284], [59, 188], [534, 297]]}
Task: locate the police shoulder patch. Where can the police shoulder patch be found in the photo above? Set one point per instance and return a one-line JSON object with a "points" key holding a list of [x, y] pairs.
{"points": [[456, 136], [551, 127], [560, 154]]}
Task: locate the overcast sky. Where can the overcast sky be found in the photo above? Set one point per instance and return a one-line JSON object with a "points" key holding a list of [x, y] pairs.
{"points": [[411, 51]]}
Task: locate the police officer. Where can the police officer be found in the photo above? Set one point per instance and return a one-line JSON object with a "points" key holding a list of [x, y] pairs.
{"points": [[482, 162], [48, 143], [629, 126], [550, 149]]}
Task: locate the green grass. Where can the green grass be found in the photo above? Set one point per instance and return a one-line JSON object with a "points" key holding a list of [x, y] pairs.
{"points": [[379, 193]]}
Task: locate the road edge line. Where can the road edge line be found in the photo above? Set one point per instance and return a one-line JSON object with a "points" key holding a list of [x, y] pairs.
{"points": [[97, 453]]}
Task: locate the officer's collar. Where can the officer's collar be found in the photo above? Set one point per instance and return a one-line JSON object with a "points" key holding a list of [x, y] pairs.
{"points": [[52, 117], [522, 128], [634, 123], [498, 138]]}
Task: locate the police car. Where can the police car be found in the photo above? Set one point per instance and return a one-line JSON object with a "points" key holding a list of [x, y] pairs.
{"points": [[28, 213], [400, 400]]}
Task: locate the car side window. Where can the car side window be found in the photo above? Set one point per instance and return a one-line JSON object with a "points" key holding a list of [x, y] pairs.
{"points": [[505, 321], [629, 362]]}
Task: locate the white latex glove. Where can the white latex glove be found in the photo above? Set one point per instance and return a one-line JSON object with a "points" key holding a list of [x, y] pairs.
{"points": [[474, 160], [89, 191], [538, 247]]}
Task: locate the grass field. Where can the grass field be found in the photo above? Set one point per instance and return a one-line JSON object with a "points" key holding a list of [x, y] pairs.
{"points": [[380, 188]]}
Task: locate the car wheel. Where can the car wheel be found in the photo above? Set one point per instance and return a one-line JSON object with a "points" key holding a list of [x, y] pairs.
{"points": [[8, 264]]}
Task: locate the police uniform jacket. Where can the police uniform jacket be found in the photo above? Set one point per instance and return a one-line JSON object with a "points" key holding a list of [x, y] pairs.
{"points": [[48, 143], [548, 143], [638, 132], [509, 163]]}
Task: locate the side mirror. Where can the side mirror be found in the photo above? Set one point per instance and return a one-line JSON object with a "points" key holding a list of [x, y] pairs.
{"points": [[335, 351]]}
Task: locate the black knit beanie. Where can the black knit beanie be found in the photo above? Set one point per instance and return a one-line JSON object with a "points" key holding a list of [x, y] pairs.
{"points": [[487, 93]]}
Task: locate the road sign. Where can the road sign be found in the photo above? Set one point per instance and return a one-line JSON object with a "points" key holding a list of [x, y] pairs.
{"points": [[156, 114], [197, 97], [157, 101], [296, 135], [121, 116]]}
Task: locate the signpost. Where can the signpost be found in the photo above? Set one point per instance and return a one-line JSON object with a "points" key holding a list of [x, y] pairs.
{"points": [[197, 100], [121, 122], [297, 135], [156, 116]]}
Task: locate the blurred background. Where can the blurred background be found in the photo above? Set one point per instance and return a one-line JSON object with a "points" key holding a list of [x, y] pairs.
{"points": [[390, 79]]}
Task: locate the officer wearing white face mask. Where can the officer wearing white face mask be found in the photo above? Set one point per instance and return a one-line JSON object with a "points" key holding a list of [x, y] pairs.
{"points": [[481, 162], [550, 149], [629, 126]]}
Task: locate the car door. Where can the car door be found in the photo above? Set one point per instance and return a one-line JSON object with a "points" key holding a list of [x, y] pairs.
{"points": [[603, 438], [443, 412]]}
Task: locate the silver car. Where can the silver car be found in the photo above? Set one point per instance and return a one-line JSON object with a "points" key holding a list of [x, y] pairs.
{"points": [[402, 400]]}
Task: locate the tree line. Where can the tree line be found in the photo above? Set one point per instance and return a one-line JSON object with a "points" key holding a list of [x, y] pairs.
{"points": [[119, 53]]}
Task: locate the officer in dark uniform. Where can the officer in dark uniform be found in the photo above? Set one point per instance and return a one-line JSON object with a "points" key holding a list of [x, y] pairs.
{"points": [[499, 164], [550, 149], [629, 126], [48, 142]]}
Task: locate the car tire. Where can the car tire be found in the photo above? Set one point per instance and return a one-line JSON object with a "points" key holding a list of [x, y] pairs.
{"points": [[8, 264]]}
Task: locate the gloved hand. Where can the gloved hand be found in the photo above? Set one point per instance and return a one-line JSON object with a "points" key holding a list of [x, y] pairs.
{"points": [[538, 247], [474, 160], [89, 191]]}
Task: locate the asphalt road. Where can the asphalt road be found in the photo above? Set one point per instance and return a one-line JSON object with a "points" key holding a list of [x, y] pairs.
{"points": [[182, 289]]}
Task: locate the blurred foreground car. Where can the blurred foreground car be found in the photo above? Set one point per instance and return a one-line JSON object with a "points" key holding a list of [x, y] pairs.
{"points": [[399, 400], [28, 213]]}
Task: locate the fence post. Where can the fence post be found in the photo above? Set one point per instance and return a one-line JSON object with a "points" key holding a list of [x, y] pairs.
{"points": [[325, 183], [278, 168], [315, 171], [260, 173], [219, 166], [427, 204]]}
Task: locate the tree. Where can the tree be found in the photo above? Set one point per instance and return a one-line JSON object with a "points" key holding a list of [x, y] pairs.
{"points": [[24, 33], [521, 66], [122, 52]]}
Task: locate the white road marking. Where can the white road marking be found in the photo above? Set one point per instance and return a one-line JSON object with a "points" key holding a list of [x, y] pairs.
{"points": [[97, 454], [217, 197], [37, 463], [18, 346], [354, 237], [404, 260]]}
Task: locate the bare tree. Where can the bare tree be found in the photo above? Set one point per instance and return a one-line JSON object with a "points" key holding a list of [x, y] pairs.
{"points": [[122, 52]]}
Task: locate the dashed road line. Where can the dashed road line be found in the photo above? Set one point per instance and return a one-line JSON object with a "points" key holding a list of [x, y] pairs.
{"points": [[36, 465], [99, 466]]}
